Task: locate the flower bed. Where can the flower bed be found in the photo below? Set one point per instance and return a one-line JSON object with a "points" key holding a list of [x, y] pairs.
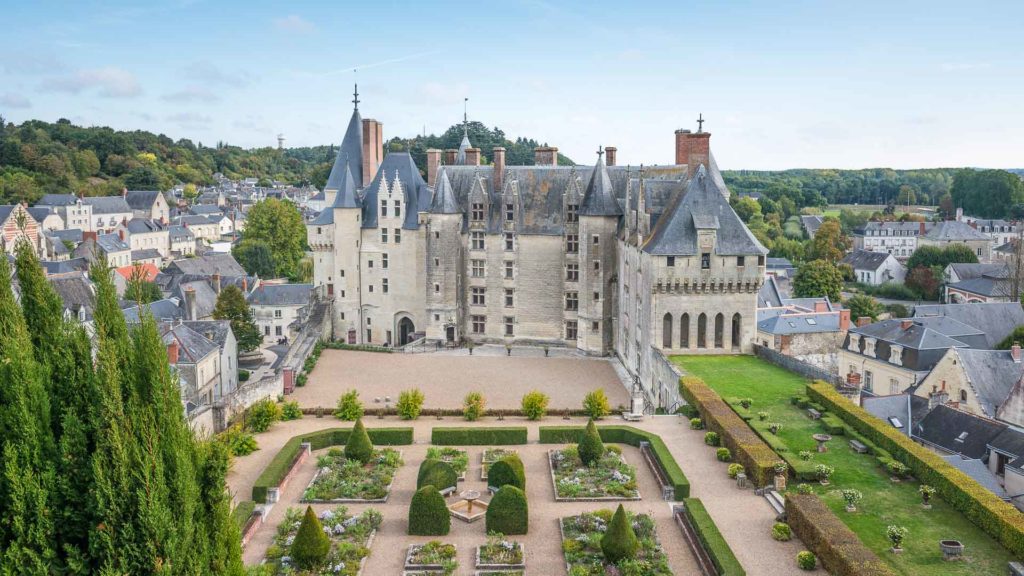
{"points": [[492, 455], [434, 557], [500, 554], [342, 480], [581, 545], [454, 456], [610, 478], [350, 536]]}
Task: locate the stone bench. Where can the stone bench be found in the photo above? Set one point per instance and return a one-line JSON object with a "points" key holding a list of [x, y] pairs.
{"points": [[858, 447], [1016, 569], [814, 414], [631, 417]]}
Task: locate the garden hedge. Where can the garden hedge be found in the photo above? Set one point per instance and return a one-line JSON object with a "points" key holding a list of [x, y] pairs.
{"points": [[840, 550], [508, 512], [242, 512], [428, 514], [712, 540], [478, 436], [997, 518], [275, 472], [747, 447], [436, 473], [619, 434], [509, 471]]}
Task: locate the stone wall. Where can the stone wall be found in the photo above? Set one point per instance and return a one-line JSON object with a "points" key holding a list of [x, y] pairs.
{"points": [[795, 365]]}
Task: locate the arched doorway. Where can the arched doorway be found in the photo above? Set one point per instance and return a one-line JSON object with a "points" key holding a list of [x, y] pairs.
{"points": [[405, 330], [737, 324], [719, 330]]}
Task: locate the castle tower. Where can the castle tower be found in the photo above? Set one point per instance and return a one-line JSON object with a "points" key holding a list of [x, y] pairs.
{"points": [[599, 215], [347, 215], [350, 152], [444, 263]]}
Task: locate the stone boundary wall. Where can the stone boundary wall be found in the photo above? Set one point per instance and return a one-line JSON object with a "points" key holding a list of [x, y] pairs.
{"points": [[252, 526], [666, 381], [794, 365]]}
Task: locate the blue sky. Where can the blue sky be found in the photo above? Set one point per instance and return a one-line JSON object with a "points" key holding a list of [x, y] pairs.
{"points": [[781, 84]]}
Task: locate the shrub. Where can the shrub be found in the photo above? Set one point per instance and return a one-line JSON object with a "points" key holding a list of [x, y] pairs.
{"points": [[806, 560], [782, 532], [926, 493], [508, 512], [746, 402], [359, 446], [508, 471], [590, 447], [310, 547], [489, 436], [852, 496], [774, 427], [711, 539], [436, 473], [262, 414], [237, 441], [301, 379], [473, 406], [780, 467], [806, 455], [804, 489], [243, 375], [291, 411], [535, 405], [723, 454], [349, 406], [696, 424], [688, 410], [735, 470], [428, 515], [410, 403], [896, 535], [762, 415], [711, 438], [596, 404], [824, 472], [619, 541], [839, 549], [897, 469]]}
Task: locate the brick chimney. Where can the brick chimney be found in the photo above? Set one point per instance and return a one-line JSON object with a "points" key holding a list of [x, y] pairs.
{"points": [[89, 235], [820, 306], [906, 324], [216, 283], [472, 156], [172, 352], [700, 152], [1015, 353], [373, 148], [120, 234], [938, 397], [498, 178], [545, 156], [433, 162], [844, 320], [682, 146], [609, 155], [190, 304], [450, 155], [920, 228], [863, 321], [245, 285]]}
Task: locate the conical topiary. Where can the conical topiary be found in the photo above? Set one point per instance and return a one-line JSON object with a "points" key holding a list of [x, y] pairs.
{"points": [[428, 515], [590, 447], [359, 446], [507, 512], [311, 545], [619, 541], [437, 473], [507, 471]]}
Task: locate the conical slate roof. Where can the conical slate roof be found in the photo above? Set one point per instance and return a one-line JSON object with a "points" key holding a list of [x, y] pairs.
{"points": [[460, 158], [444, 201], [346, 196], [350, 152], [599, 198]]}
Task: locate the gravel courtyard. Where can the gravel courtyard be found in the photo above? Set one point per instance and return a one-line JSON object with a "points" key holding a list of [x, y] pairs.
{"points": [[445, 378]]}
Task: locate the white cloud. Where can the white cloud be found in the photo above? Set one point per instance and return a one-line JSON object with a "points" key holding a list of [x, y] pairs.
{"points": [[192, 94], [294, 23], [11, 100], [109, 82]]}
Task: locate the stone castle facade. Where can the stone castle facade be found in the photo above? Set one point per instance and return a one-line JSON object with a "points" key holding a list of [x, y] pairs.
{"points": [[604, 258]]}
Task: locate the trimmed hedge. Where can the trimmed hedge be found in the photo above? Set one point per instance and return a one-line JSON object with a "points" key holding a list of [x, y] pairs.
{"points": [[711, 539], [508, 512], [480, 436], [997, 518], [625, 435], [276, 470], [840, 550], [428, 514], [833, 424], [508, 471], [747, 447], [240, 515], [436, 473]]}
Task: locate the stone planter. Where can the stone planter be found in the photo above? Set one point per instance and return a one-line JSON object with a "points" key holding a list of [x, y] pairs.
{"points": [[823, 482], [851, 508], [926, 506], [951, 549], [895, 550], [412, 566], [481, 565], [780, 483]]}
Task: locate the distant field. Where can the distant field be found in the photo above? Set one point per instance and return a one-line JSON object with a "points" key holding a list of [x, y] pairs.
{"points": [[833, 209]]}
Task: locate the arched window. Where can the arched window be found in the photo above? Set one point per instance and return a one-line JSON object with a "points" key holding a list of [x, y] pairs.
{"points": [[666, 331], [684, 331], [702, 330], [737, 325], [719, 330], [963, 395]]}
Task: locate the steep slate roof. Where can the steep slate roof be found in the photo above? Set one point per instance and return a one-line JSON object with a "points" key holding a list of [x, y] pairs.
{"points": [[107, 204], [966, 271], [924, 333], [985, 286], [944, 425], [599, 197], [110, 243], [281, 295], [952, 231], [208, 265], [192, 346], [444, 201], [992, 374], [143, 226], [206, 297], [1009, 441], [397, 168], [703, 206], [76, 291], [146, 254], [910, 228], [214, 330], [206, 210], [51, 267], [57, 200], [908, 409], [769, 296], [979, 471], [995, 320], [194, 220], [39, 213], [865, 260], [807, 323], [350, 152], [460, 157], [162, 310], [180, 234], [811, 224], [71, 234], [141, 199]]}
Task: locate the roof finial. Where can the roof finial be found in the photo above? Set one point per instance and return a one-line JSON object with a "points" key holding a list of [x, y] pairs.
{"points": [[600, 152], [465, 116], [355, 96], [700, 123]]}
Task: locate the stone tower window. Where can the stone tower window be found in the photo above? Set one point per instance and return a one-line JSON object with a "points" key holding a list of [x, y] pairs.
{"points": [[398, 235], [705, 261], [477, 239], [384, 235], [670, 261], [509, 268], [572, 213], [572, 243], [398, 209], [572, 301], [719, 330], [666, 331], [383, 208], [477, 268], [477, 212], [684, 331], [384, 260], [739, 261], [572, 273], [570, 330], [510, 212], [702, 331]]}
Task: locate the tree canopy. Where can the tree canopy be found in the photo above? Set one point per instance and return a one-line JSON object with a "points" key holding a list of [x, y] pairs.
{"points": [[231, 305], [277, 224], [987, 193], [818, 278]]}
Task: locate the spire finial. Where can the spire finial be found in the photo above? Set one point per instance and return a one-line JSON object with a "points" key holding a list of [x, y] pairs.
{"points": [[465, 116], [355, 96], [600, 151], [700, 123]]}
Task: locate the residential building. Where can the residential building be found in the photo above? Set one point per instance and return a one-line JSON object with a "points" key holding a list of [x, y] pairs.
{"points": [[996, 320], [278, 309], [146, 234], [109, 246], [197, 362], [811, 329], [181, 241], [72, 209], [148, 205], [47, 218], [978, 381], [219, 332], [202, 227], [897, 238], [17, 225], [875, 268], [107, 212], [811, 223], [952, 232]]}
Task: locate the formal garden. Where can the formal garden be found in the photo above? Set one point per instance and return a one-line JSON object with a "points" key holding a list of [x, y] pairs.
{"points": [[335, 542], [594, 541], [891, 511], [359, 473], [592, 471]]}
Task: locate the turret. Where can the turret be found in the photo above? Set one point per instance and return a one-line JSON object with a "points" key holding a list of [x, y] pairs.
{"points": [[347, 216], [599, 218], [444, 262]]}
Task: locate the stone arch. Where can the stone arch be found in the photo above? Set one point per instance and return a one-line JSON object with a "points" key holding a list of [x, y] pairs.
{"points": [[405, 327], [719, 330], [737, 328], [684, 330], [702, 330], [666, 331]]}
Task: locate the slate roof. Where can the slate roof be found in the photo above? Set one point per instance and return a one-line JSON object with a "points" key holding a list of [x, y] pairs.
{"points": [[208, 265], [771, 263], [194, 220], [1009, 441], [397, 168], [704, 204], [943, 427], [141, 199], [72, 234], [146, 254], [800, 323], [281, 295], [76, 292], [769, 295], [995, 320], [985, 286], [953, 231], [192, 346], [908, 228], [57, 200], [163, 310], [924, 333], [599, 197], [180, 234], [460, 156], [40, 213], [865, 259], [978, 470], [107, 204], [811, 223], [215, 331], [206, 210], [72, 265], [206, 297], [444, 201], [143, 226], [992, 374], [907, 409], [350, 152], [111, 243]]}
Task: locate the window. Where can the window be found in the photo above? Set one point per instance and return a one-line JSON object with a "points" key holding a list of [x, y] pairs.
{"points": [[477, 212], [398, 209], [666, 331], [371, 288], [476, 268], [369, 335], [277, 313], [384, 235], [597, 295], [596, 240], [670, 261], [509, 297], [684, 331], [266, 330], [277, 330], [963, 395], [597, 265], [510, 243], [572, 213], [509, 269], [368, 321], [384, 285], [369, 263], [479, 324], [437, 288], [383, 207], [760, 260], [595, 326], [478, 296], [572, 301], [437, 261], [510, 212], [702, 331], [705, 261], [383, 260], [572, 243], [437, 235], [398, 235], [869, 381], [477, 240], [572, 272], [510, 326], [318, 230], [894, 386], [740, 260], [570, 330]]}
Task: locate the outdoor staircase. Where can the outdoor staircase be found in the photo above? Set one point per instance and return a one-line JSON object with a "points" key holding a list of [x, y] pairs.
{"points": [[777, 503]]}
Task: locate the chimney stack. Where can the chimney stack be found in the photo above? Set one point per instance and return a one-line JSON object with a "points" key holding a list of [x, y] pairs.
{"points": [[844, 319], [700, 152], [609, 155], [959, 214], [545, 156], [498, 177], [682, 146], [863, 321], [245, 286], [1015, 353], [216, 283], [906, 324], [373, 148], [124, 192], [920, 228], [172, 352], [190, 304], [820, 306], [120, 234], [938, 398], [449, 156], [433, 162], [472, 156]]}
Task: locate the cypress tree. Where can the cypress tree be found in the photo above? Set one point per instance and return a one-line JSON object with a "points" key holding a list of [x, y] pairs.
{"points": [[590, 447], [311, 545], [619, 541], [359, 446]]}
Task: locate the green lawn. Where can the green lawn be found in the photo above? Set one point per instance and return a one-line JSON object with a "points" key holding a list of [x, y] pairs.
{"points": [[884, 503]]}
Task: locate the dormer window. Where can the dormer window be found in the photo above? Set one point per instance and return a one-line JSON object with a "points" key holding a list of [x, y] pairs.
{"points": [[572, 213], [869, 347], [705, 261], [854, 343], [477, 212], [896, 355]]}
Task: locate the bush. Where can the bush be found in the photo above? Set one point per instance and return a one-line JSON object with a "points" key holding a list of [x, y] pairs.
{"points": [[696, 424], [262, 414], [436, 473], [311, 545], [508, 512], [804, 489], [291, 411], [782, 532], [243, 375], [240, 515], [806, 455], [428, 515], [535, 405], [237, 441], [840, 550], [478, 436], [723, 454], [508, 471], [688, 411], [473, 406], [735, 470], [619, 541], [349, 406], [711, 439], [301, 379], [410, 403], [359, 446], [714, 543], [596, 404], [805, 560], [590, 447]]}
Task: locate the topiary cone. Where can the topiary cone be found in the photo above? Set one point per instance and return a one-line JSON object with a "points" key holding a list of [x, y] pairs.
{"points": [[619, 541], [359, 446], [590, 447], [310, 547], [428, 515], [508, 512]]}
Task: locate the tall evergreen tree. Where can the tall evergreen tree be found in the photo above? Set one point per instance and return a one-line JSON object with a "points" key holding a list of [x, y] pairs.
{"points": [[231, 305]]}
